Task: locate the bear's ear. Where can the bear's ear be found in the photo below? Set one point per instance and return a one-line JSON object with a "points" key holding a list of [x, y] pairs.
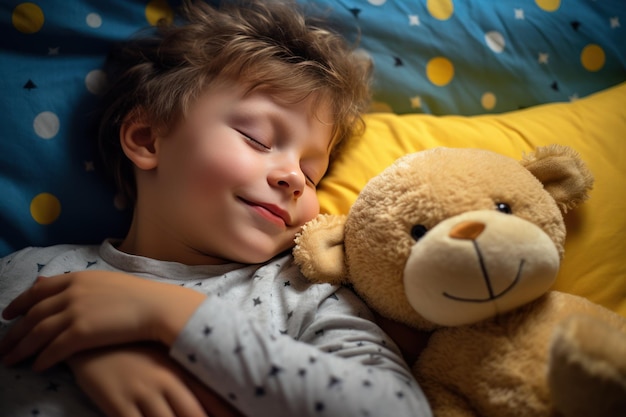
{"points": [[563, 173], [319, 249]]}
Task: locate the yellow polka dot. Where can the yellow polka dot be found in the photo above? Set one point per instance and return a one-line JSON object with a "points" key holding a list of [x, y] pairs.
{"points": [[440, 9], [440, 71], [548, 5], [488, 100], [45, 208], [158, 10], [592, 57], [27, 18]]}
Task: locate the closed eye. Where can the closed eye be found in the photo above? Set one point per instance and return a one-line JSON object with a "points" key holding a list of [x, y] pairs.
{"points": [[256, 143], [261, 146], [310, 170], [310, 181]]}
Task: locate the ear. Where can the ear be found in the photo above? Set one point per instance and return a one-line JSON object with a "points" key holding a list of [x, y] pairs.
{"points": [[319, 249], [563, 173], [138, 140]]}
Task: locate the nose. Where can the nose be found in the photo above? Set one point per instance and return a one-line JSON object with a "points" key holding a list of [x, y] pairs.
{"points": [[291, 181], [468, 230]]}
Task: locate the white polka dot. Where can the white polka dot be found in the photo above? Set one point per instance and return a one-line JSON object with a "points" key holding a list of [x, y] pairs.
{"points": [[46, 125], [377, 2], [495, 41], [94, 20], [96, 81]]}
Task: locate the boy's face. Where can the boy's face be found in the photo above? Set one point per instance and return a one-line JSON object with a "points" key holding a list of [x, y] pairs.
{"points": [[234, 181]]}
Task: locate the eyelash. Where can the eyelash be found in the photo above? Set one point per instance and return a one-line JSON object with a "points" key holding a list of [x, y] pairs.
{"points": [[255, 142], [260, 145]]}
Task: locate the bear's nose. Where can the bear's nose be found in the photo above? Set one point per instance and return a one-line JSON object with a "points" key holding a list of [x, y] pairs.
{"points": [[468, 229]]}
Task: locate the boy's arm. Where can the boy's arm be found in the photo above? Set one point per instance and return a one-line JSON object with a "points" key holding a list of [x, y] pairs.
{"points": [[126, 378], [73, 312], [342, 364]]}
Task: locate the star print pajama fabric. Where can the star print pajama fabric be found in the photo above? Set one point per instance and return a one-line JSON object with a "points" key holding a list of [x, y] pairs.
{"points": [[265, 339]]}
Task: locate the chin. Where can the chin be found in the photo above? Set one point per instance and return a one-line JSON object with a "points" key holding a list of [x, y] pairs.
{"points": [[263, 255], [256, 248], [254, 258]]}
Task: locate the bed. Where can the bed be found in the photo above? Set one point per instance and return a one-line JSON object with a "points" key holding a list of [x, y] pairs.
{"points": [[509, 76]]}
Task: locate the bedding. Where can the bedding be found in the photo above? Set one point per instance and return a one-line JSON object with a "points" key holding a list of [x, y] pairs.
{"points": [[508, 76], [595, 127], [473, 57]]}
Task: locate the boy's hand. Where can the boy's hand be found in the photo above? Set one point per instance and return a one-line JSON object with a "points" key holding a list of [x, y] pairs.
{"points": [[69, 313], [133, 381], [141, 380]]}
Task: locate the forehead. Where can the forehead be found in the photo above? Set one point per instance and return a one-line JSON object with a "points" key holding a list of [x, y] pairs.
{"points": [[319, 103], [288, 109], [317, 106]]}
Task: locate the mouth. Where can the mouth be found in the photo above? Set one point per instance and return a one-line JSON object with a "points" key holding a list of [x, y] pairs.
{"points": [[492, 295], [270, 212]]}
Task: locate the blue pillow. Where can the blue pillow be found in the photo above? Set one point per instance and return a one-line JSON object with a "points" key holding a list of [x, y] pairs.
{"points": [[50, 76], [473, 57]]}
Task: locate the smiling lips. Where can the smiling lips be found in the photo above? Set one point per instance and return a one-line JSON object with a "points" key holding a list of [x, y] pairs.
{"points": [[270, 212]]}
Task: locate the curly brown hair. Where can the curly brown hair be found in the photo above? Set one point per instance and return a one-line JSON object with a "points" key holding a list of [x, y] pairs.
{"points": [[269, 45]]}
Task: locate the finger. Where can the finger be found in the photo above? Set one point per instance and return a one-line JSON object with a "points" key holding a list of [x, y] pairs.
{"points": [[184, 403], [78, 335], [112, 406], [33, 321], [35, 339], [210, 401], [41, 289], [111, 401], [65, 345], [131, 411], [155, 406]]}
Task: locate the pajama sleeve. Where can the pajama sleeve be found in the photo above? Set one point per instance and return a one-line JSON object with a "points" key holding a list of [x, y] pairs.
{"points": [[339, 364]]}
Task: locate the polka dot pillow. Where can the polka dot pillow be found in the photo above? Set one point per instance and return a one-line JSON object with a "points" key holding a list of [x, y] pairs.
{"points": [[431, 56], [50, 75], [470, 57]]}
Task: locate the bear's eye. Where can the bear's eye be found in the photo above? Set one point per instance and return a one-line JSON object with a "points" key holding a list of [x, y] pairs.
{"points": [[418, 231], [504, 208]]}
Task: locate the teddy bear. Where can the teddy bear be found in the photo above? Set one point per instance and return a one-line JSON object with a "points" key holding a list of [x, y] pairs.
{"points": [[465, 244]]}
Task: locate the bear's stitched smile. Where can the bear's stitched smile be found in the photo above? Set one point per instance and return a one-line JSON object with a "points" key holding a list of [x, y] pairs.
{"points": [[492, 296]]}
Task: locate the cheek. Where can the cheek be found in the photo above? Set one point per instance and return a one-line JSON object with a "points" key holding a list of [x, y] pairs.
{"points": [[211, 155], [309, 207], [222, 169]]}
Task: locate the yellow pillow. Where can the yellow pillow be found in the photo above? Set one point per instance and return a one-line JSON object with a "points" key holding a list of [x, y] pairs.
{"points": [[595, 252]]}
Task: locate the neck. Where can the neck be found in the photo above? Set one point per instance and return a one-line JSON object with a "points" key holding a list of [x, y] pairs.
{"points": [[147, 238]]}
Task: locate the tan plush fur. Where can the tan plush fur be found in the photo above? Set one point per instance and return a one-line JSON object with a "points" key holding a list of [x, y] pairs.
{"points": [[466, 243]]}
